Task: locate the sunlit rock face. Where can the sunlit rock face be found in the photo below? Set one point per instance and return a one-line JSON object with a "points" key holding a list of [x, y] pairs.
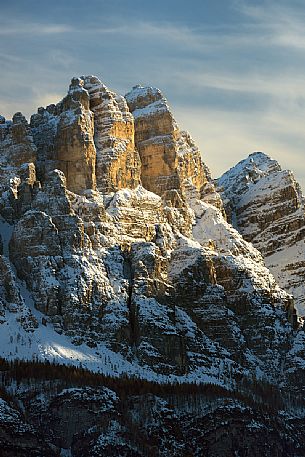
{"points": [[170, 158], [89, 135], [134, 265], [266, 205], [117, 161], [64, 138]]}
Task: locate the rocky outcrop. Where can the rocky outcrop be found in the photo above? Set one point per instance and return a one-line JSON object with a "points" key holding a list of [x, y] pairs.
{"points": [[64, 138], [266, 205], [70, 412], [117, 161], [154, 428], [89, 136], [151, 283], [146, 281], [18, 438], [18, 155], [17, 150], [170, 159], [157, 281]]}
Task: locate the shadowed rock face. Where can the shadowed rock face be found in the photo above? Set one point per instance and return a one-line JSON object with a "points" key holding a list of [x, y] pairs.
{"points": [[99, 421], [19, 438], [266, 205], [18, 155]]}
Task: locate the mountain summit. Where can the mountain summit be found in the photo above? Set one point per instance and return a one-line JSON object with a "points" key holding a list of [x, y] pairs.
{"points": [[118, 256], [266, 205]]}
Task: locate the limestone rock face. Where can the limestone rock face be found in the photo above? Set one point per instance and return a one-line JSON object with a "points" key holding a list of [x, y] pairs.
{"points": [[64, 138], [170, 159], [266, 205], [89, 135], [136, 273], [124, 279], [117, 161], [12, 300], [17, 146], [17, 163], [71, 412], [152, 279]]}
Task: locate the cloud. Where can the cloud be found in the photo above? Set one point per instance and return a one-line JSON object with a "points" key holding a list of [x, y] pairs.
{"points": [[262, 82], [13, 28], [46, 99], [282, 23], [260, 26]]}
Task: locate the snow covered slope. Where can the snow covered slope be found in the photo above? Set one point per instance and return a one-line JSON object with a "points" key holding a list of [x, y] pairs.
{"points": [[266, 205]]}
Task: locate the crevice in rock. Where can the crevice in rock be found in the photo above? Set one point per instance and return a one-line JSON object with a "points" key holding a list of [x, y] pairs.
{"points": [[133, 324]]}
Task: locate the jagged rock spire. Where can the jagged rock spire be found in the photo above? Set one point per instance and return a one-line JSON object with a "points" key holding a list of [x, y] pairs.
{"points": [[64, 137], [170, 158], [117, 162]]}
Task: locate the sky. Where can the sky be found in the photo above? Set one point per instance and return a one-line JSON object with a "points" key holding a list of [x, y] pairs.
{"points": [[233, 71]]}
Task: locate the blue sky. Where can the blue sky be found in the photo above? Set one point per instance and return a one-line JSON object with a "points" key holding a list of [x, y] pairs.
{"points": [[232, 70]]}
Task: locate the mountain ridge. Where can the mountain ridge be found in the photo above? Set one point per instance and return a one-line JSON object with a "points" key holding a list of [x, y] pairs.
{"points": [[266, 205], [118, 254]]}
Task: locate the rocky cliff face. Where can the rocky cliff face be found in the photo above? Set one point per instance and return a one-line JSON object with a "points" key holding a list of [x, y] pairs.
{"points": [[266, 205], [64, 138], [118, 162], [18, 154], [170, 159], [127, 269]]}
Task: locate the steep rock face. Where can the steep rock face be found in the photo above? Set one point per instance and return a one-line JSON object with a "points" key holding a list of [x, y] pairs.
{"points": [[170, 158], [148, 281], [17, 164], [165, 431], [17, 149], [266, 205], [64, 138], [89, 135], [72, 411], [118, 271], [131, 281], [117, 162], [50, 253]]}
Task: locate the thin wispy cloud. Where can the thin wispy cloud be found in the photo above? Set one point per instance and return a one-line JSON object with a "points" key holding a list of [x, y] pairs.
{"points": [[282, 23], [20, 28], [270, 26]]}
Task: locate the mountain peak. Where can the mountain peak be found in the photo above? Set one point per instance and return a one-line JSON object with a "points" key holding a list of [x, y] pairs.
{"points": [[266, 205], [116, 258]]}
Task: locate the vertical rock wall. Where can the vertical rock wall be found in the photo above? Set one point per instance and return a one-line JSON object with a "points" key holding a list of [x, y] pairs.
{"points": [[64, 137], [117, 162], [170, 158]]}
